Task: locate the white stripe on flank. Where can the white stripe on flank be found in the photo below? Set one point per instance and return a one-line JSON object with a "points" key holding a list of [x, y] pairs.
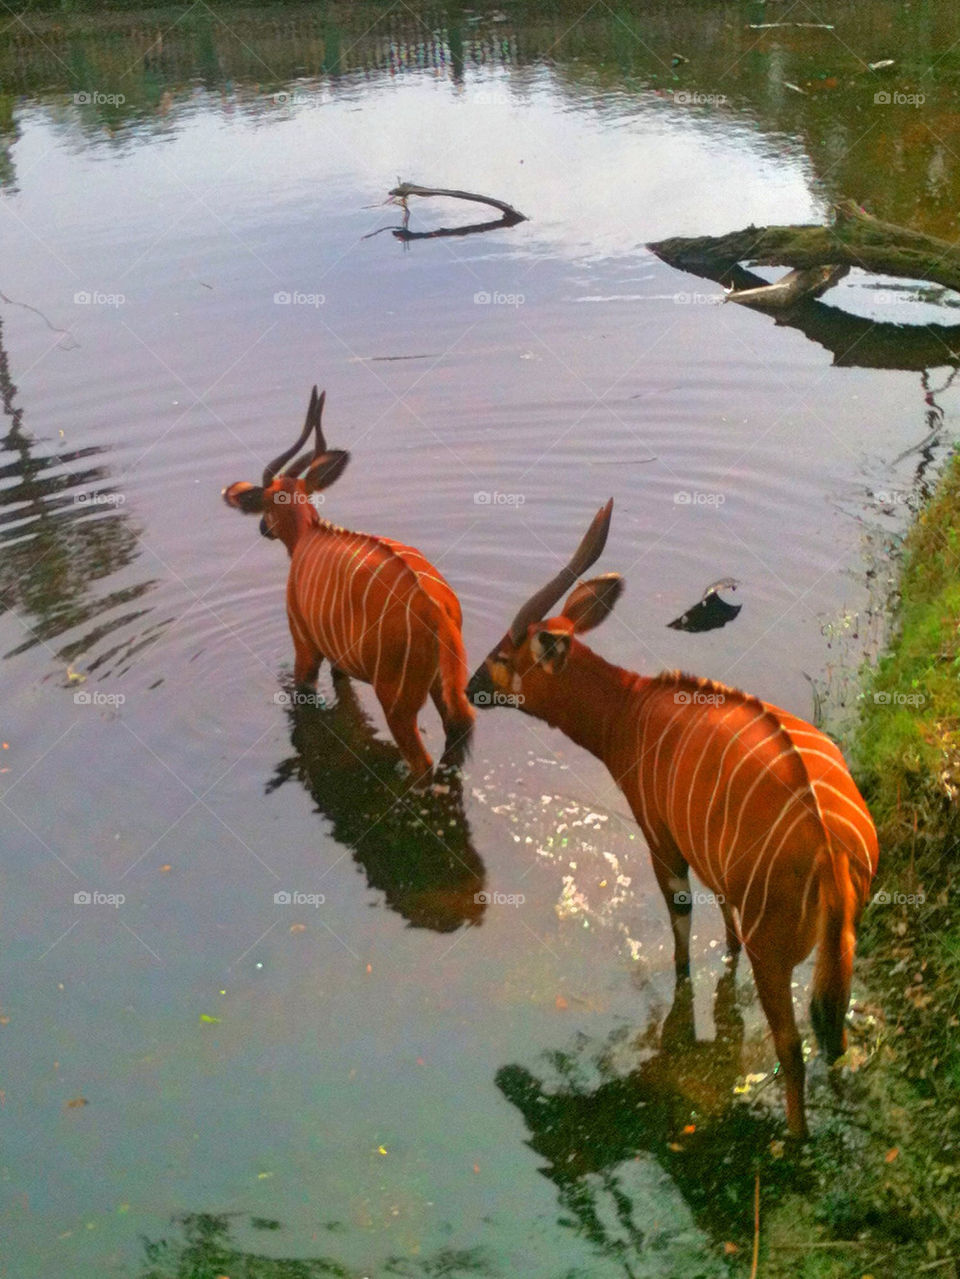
{"points": [[837, 817], [716, 785], [760, 777], [716, 729], [652, 839], [674, 770], [804, 812], [406, 653]]}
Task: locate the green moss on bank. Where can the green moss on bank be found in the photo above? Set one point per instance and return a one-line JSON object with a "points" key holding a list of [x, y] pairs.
{"points": [[885, 1176], [908, 746], [907, 754]]}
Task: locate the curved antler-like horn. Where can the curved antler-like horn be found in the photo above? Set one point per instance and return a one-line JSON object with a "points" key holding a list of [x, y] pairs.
{"points": [[274, 466], [317, 415], [314, 414], [586, 554]]}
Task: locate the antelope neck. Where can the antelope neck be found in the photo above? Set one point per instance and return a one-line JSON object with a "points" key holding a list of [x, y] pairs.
{"points": [[592, 699]]}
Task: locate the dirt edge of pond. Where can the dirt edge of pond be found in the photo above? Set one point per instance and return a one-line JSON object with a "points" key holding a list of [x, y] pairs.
{"points": [[885, 1168]]}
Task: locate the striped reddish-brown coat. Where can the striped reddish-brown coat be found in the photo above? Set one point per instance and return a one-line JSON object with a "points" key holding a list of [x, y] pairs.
{"points": [[756, 801], [374, 608]]}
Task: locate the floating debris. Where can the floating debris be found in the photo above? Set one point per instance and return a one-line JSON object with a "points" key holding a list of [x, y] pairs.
{"points": [[711, 612]]}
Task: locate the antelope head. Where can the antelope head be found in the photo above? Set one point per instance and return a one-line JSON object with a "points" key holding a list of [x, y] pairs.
{"points": [[522, 669], [282, 499]]}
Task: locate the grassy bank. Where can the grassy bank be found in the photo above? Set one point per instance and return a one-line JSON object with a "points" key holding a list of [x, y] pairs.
{"points": [[884, 1173]]}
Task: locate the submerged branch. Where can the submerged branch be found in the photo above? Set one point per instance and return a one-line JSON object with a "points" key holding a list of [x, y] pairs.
{"points": [[511, 216]]}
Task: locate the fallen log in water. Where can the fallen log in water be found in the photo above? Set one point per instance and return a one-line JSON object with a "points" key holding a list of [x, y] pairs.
{"points": [[791, 289], [854, 238]]}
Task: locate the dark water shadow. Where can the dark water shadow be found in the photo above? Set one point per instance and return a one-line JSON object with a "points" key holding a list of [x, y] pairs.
{"points": [[590, 1124], [203, 1249], [414, 847], [63, 528]]}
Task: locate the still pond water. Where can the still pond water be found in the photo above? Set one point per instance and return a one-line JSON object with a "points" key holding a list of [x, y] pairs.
{"points": [[199, 1077]]}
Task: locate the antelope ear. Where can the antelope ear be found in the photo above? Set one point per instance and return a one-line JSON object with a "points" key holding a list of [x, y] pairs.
{"points": [[327, 468], [551, 649], [589, 603], [244, 497]]}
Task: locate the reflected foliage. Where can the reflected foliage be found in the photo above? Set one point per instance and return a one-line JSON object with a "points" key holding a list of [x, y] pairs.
{"points": [[591, 1124], [206, 1251], [897, 159], [61, 532], [414, 847]]}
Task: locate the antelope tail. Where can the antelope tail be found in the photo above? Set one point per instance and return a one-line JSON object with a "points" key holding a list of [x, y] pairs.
{"points": [[452, 661], [835, 947]]}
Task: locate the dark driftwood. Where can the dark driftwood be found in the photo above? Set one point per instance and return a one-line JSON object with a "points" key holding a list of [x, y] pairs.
{"points": [[854, 238], [511, 216]]}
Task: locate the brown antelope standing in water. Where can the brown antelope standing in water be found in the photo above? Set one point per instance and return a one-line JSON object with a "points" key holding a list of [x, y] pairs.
{"points": [[376, 609], [758, 802]]}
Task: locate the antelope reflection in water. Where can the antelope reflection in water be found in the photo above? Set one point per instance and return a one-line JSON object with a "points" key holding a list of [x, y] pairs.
{"points": [[414, 846], [676, 1109]]}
